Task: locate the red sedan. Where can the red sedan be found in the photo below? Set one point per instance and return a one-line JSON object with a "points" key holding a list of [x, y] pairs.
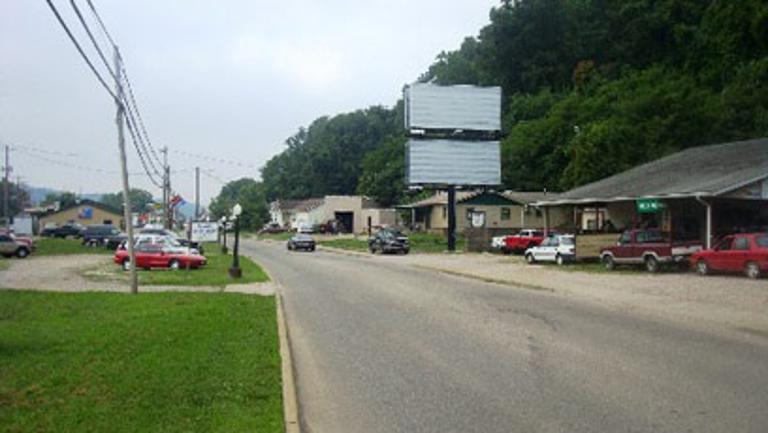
{"points": [[153, 256], [746, 253]]}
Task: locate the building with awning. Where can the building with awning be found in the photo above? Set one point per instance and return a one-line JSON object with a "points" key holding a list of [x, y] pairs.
{"points": [[699, 193]]}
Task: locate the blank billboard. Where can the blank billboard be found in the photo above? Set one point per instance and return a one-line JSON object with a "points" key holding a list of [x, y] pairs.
{"points": [[453, 162], [428, 106]]}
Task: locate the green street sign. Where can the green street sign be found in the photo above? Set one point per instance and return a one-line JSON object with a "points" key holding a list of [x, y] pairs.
{"points": [[650, 206]]}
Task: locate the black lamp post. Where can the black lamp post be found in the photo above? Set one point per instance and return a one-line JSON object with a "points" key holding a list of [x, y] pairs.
{"points": [[235, 271], [223, 224]]}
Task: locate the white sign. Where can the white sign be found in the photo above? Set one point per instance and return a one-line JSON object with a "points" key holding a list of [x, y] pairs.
{"points": [[453, 162], [478, 219], [428, 106], [205, 231]]}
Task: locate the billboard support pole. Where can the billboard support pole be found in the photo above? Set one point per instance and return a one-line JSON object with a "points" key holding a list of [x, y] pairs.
{"points": [[451, 218]]}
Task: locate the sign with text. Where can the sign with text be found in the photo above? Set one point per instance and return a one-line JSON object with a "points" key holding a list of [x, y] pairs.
{"points": [[650, 206], [204, 231]]}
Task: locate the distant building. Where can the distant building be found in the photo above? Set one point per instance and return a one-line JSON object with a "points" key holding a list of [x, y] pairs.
{"points": [[86, 213], [351, 213]]}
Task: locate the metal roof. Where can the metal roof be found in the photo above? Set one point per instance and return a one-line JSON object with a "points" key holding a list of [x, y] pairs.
{"points": [[704, 171], [441, 197]]}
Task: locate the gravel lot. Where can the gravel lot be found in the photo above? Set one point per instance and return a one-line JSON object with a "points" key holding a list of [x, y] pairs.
{"points": [[734, 301], [64, 274]]}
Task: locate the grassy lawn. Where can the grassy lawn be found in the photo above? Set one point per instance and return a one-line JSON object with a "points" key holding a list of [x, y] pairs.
{"points": [[54, 247], [161, 362], [275, 236], [214, 273], [420, 243]]}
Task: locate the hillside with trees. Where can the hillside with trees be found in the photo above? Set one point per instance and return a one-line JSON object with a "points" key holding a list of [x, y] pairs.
{"points": [[591, 88]]}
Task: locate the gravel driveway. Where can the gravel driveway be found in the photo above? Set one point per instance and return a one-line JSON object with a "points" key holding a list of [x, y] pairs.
{"points": [[64, 274]]}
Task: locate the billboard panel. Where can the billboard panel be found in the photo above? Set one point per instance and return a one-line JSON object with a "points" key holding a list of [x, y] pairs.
{"points": [[453, 162], [428, 106]]}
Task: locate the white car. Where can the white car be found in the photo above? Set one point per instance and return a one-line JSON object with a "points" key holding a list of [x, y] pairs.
{"points": [[557, 248]]}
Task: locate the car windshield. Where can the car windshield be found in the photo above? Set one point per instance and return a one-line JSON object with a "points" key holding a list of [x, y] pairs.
{"points": [[303, 237]]}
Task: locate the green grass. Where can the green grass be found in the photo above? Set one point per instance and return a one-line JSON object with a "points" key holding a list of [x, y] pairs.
{"points": [[57, 247], [161, 362], [276, 236], [214, 273]]}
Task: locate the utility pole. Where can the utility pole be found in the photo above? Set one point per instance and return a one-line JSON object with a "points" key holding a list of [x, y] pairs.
{"points": [[6, 191], [166, 197], [197, 193], [451, 218], [127, 215]]}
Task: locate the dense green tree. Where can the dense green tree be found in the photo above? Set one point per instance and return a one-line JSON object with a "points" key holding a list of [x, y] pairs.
{"points": [[18, 198], [65, 199], [250, 194], [140, 199], [383, 173]]}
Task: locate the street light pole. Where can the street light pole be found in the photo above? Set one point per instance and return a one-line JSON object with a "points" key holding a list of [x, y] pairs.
{"points": [[224, 235], [235, 271]]}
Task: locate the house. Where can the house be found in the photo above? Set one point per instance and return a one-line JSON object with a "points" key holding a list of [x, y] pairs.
{"points": [[698, 193], [85, 212], [353, 213], [505, 211]]}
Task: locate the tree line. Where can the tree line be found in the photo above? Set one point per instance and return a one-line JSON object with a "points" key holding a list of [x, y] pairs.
{"points": [[591, 88]]}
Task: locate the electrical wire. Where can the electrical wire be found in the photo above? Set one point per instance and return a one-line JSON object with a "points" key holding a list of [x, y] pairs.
{"points": [[25, 151], [210, 175], [80, 50], [213, 158], [46, 151]]}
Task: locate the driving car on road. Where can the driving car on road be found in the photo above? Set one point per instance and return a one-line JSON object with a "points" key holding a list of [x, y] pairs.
{"points": [[152, 256], [747, 253], [301, 241], [556, 248], [389, 241]]}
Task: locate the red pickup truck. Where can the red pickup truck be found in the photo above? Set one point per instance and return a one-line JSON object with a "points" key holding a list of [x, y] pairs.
{"points": [[522, 241], [652, 248]]}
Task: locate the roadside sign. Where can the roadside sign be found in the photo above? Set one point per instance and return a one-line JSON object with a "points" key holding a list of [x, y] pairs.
{"points": [[650, 206], [204, 231]]}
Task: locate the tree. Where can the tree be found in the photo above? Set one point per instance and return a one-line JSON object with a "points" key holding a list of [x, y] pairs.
{"points": [[252, 197], [383, 173], [140, 199], [18, 198], [65, 199]]}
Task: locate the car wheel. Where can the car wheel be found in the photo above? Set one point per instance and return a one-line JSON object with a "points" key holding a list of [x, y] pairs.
{"points": [[702, 268], [608, 262], [126, 264], [530, 259], [174, 264], [312, 248], [651, 264], [559, 260], [752, 270], [22, 253]]}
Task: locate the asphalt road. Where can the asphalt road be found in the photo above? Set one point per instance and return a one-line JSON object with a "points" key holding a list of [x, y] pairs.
{"points": [[382, 347]]}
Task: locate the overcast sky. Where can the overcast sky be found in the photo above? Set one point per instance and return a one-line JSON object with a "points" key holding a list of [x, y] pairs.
{"points": [[228, 78]]}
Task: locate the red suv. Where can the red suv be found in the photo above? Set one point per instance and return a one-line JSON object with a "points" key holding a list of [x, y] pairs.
{"points": [[747, 252]]}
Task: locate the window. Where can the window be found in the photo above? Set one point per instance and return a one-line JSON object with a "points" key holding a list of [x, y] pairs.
{"points": [[506, 213], [445, 212], [625, 238], [762, 241], [539, 213], [741, 244]]}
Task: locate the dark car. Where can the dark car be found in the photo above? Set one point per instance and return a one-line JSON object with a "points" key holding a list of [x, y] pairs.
{"points": [[106, 235], [64, 231], [272, 228], [389, 241], [183, 241], [301, 241]]}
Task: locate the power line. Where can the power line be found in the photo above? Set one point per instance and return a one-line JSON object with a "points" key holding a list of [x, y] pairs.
{"points": [[213, 158], [78, 167], [80, 50], [138, 113], [210, 174], [40, 150], [101, 23]]}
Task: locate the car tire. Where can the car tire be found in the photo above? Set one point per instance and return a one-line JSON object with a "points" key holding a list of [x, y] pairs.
{"points": [[559, 260], [752, 270], [702, 267], [312, 248], [126, 264], [651, 264], [174, 264], [608, 262], [530, 259], [22, 253]]}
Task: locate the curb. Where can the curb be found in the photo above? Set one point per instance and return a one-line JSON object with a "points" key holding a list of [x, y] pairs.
{"points": [[486, 279], [290, 401], [343, 251]]}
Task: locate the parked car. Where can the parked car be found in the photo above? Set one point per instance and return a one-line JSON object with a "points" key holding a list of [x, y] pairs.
{"points": [[560, 249], [389, 241], [181, 240], [103, 235], [152, 256], [498, 242], [11, 246], [522, 241], [306, 228], [169, 243], [20, 238], [301, 241], [66, 230], [746, 253], [650, 247], [272, 228]]}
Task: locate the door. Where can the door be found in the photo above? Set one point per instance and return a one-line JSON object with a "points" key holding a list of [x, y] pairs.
{"points": [[737, 259], [347, 220], [547, 249], [623, 250], [719, 259], [7, 245]]}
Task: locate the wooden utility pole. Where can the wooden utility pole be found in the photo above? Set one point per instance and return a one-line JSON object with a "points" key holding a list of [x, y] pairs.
{"points": [[6, 190], [166, 193], [127, 214], [197, 193]]}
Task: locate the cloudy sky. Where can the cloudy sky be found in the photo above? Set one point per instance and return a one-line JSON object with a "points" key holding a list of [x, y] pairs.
{"points": [[230, 78]]}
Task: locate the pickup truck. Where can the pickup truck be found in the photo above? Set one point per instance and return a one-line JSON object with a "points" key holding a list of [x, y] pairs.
{"points": [[63, 232], [650, 247], [522, 241]]}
